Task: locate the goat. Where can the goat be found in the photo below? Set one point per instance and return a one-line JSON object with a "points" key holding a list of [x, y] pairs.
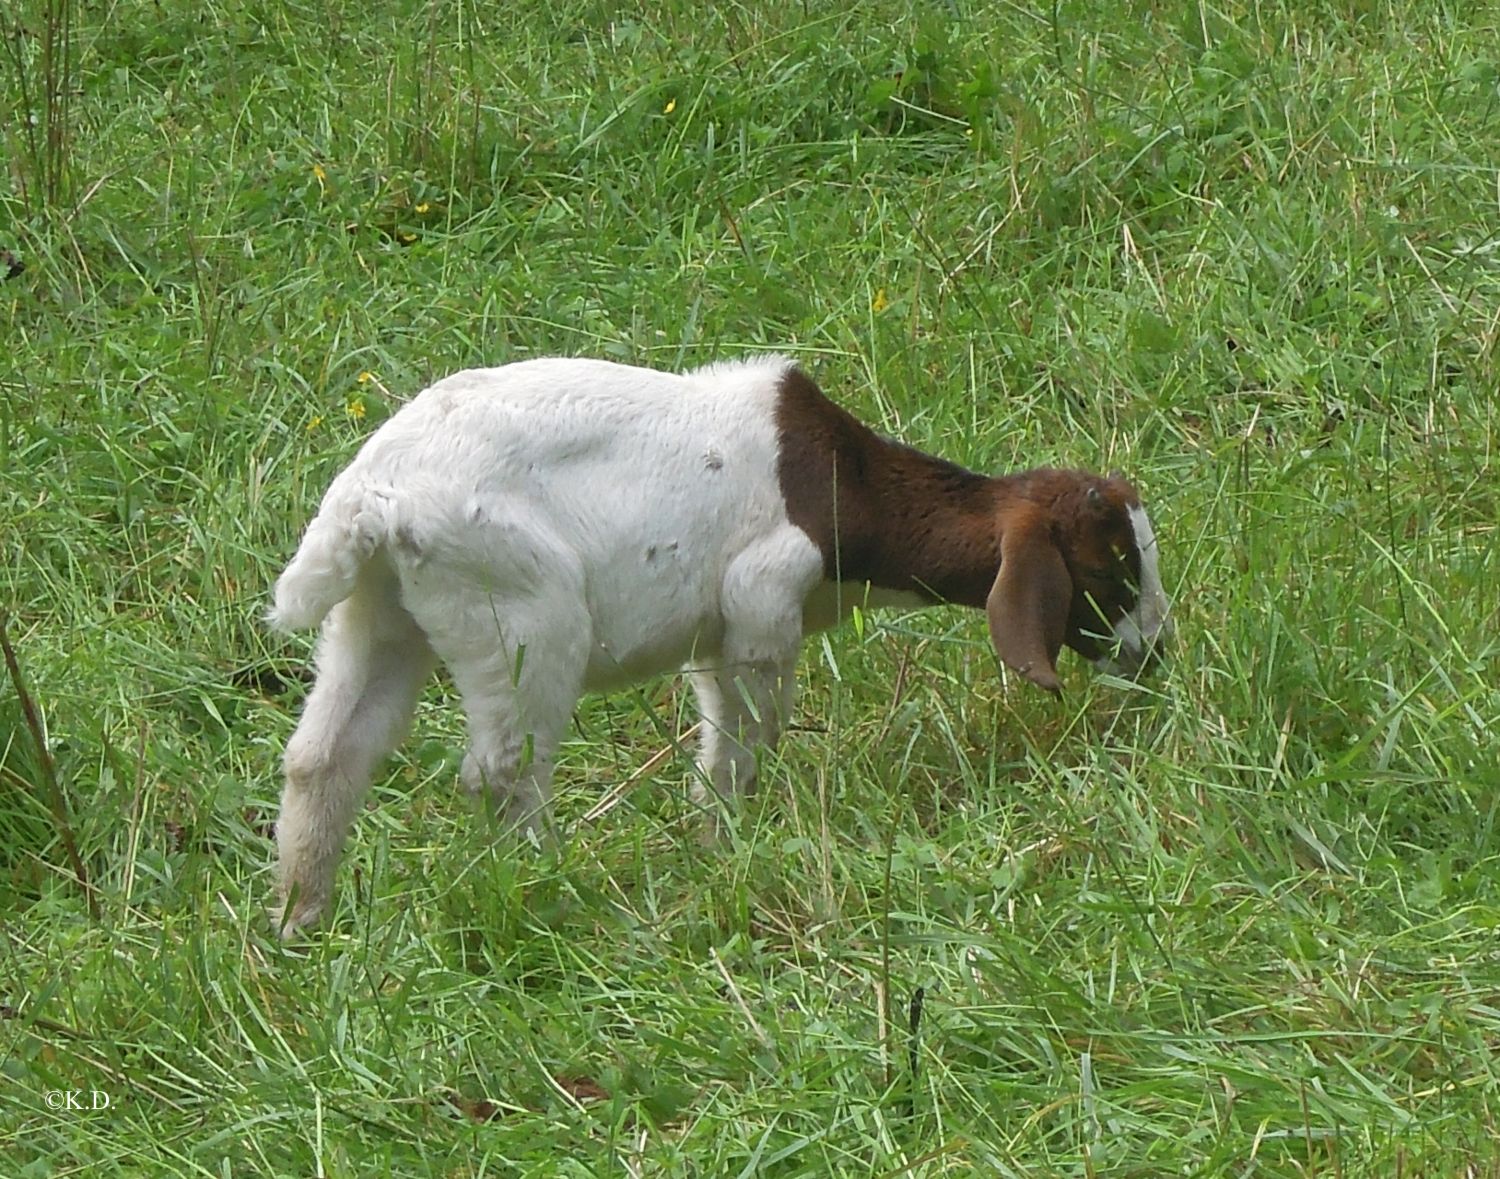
{"points": [[557, 526]]}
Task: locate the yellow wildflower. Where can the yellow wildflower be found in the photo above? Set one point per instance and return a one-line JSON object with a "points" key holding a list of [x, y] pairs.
{"points": [[321, 177], [880, 302], [670, 107], [317, 420], [423, 207], [365, 378], [356, 408]]}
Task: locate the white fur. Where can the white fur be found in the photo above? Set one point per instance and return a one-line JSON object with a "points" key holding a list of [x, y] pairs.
{"points": [[543, 529], [1141, 630]]}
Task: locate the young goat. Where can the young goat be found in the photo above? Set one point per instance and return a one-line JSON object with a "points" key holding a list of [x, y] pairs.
{"points": [[559, 526]]}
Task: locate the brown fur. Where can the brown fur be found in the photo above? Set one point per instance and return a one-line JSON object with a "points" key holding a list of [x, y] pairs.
{"points": [[1044, 552]]}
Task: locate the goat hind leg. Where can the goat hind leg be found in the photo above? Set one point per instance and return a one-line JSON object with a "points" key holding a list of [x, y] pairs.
{"points": [[517, 707], [372, 662]]}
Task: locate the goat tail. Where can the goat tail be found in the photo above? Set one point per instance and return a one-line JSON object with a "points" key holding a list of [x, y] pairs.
{"points": [[353, 521]]}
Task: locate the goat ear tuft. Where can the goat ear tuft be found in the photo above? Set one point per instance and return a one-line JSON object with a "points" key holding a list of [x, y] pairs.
{"points": [[1029, 603]]}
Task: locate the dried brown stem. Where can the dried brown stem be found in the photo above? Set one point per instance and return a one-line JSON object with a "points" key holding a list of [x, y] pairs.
{"points": [[55, 801]]}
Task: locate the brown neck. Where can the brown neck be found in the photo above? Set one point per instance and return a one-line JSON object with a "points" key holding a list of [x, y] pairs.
{"points": [[880, 511]]}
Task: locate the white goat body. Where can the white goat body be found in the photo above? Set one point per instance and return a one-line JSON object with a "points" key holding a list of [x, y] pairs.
{"points": [[556, 526]]}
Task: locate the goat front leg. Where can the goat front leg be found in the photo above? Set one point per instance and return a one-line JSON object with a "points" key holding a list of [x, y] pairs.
{"points": [[746, 695], [743, 708]]}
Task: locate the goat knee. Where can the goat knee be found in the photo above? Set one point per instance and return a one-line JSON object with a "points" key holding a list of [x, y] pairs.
{"points": [[511, 787]]}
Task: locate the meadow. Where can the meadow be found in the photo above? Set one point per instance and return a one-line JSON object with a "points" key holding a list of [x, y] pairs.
{"points": [[1240, 919]]}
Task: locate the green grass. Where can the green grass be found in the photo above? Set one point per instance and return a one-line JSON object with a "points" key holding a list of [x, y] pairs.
{"points": [[1239, 920]]}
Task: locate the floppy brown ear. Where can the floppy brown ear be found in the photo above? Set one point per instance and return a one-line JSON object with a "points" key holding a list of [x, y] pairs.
{"points": [[1029, 604]]}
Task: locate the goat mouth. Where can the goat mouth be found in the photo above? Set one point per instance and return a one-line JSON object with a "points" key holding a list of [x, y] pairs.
{"points": [[1130, 660], [1128, 650]]}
